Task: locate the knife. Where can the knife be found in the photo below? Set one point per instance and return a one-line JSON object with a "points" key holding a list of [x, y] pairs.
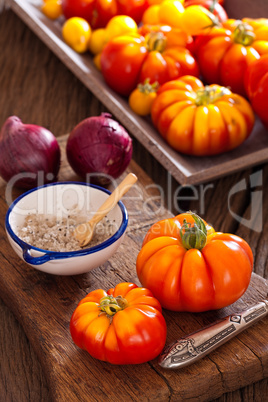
{"points": [[195, 346]]}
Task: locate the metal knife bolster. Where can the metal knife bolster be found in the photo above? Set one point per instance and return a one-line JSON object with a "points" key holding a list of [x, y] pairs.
{"points": [[195, 346]]}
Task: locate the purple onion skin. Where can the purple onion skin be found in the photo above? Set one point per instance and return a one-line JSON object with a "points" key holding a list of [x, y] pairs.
{"points": [[99, 145], [29, 149]]}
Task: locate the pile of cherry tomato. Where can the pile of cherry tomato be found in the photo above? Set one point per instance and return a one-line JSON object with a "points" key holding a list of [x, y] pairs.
{"points": [[148, 50]]}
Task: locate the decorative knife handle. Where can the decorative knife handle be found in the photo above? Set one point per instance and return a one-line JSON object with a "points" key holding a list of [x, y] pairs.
{"points": [[195, 346]]}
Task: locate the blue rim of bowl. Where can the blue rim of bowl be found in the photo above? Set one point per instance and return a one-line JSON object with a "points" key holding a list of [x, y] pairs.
{"points": [[56, 255]]}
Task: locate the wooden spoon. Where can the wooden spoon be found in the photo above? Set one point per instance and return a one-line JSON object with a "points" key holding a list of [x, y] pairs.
{"points": [[84, 232]]}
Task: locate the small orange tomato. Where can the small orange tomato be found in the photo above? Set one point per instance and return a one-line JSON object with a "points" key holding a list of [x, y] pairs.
{"points": [[141, 99], [52, 9], [190, 267]]}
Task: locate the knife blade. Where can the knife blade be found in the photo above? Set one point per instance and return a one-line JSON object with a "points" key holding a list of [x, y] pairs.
{"points": [[195, 346]]}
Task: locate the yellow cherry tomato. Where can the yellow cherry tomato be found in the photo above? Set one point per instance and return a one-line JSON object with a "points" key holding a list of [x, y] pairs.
{"points": [[52, 9], [151, 15], [97, 40], [152, 2], [170, 12], [76, 32], [141, 99], [120, 25], [97, 61], [196, 20]]}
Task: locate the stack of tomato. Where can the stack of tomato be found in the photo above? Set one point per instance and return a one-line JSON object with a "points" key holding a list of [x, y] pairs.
{"points": [[200, 75]]}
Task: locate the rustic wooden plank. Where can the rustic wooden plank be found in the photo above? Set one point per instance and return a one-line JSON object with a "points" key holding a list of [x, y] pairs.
{"points": [[32, 385], [51, 300], [184, 169]]}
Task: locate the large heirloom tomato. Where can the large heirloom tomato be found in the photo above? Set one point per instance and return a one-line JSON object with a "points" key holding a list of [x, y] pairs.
{"points": [[99, 12], [190, 267], [256, 84], [225, 53], [201, 120], [123, 326], [128, 60]]}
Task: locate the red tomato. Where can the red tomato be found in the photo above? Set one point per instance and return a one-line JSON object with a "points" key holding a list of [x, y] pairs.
{"points": [[214, 7], [133, 8], [122, 326], [127, 61], [233, 50], [99, 12], [256, 83], [189, 267]]}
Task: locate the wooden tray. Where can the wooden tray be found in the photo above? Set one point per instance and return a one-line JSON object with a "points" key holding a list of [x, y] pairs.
{"points": [[185, 169], [44, 303]]}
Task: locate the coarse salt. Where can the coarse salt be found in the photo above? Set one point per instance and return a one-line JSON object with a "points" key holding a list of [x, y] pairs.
{"points": [[56, 234]]}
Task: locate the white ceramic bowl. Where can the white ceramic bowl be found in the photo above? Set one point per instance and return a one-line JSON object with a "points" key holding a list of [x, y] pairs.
{"points": [[55, 199]]}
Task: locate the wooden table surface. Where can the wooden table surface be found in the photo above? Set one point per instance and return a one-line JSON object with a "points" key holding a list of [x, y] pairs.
{"points": [[38, 88]]}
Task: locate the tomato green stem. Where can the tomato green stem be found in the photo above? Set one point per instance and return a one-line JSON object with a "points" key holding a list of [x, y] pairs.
{"points": [[243, 34], [213, 18], [156, 41], [111, 305], [213, 5], [148, 88], [210, 94], [194, 235]]}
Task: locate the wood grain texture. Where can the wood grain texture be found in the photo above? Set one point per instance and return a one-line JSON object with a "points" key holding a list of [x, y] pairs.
{"points": [[185, 169], [44, 304], [63, 102]]}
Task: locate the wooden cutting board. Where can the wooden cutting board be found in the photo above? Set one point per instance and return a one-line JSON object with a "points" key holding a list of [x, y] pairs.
{"points": [[44, 303]]}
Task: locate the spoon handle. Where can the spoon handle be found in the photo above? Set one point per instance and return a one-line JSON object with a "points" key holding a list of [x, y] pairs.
{"points": [[116, 195], [195, 346]]}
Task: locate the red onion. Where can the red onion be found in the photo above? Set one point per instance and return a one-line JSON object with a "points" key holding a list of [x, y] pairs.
{"points": [[99, 149], [29, 154]]}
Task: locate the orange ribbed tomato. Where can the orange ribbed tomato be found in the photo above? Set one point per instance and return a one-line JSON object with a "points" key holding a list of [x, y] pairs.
{"points": [[190, 267], [201, 120], [122, 326]]}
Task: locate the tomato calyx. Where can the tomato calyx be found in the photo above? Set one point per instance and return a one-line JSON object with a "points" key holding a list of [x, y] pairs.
{"points": [[213, 5], [243, 34], [147, 88], [210, 94], [213, 18], [155, 41], [194, 235], [111, 305]]}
